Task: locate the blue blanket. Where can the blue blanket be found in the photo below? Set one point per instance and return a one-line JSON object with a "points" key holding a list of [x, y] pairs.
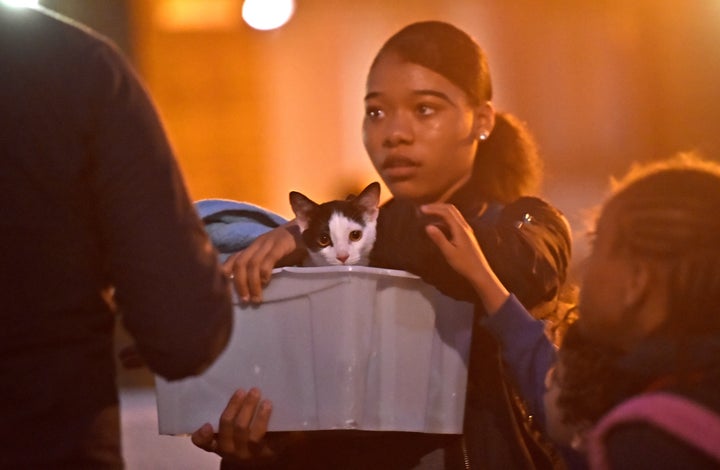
{"points": [[233, 225]]}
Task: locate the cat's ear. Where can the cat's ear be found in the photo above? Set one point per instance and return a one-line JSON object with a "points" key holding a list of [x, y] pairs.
{"points": [[302, 206], [369, 201]]}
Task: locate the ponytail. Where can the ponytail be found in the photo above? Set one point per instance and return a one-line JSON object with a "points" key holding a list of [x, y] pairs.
{"points": [[507, 164]]}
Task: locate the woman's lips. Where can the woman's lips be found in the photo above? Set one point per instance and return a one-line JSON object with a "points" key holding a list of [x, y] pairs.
{"points": [[398, 167]]}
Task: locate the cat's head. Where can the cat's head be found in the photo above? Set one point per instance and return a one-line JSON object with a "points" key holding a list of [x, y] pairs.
{"points": [[338, 232]]}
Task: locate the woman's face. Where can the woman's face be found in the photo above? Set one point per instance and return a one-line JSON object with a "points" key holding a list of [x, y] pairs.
{"points": [[607, 279], [419, 130]]}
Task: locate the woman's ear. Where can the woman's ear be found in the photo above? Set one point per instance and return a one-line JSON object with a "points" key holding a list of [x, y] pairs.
{"points": [[484, 120], [639, 281], [646, 295]]}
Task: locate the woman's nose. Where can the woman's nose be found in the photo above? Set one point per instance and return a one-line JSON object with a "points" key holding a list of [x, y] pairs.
{"points": [[398, 130]]}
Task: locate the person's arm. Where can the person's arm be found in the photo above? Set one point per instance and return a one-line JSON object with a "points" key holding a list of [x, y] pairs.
{"points": [[174, 299], [252, 267], [526, 350], [524, 346], [461, 250]]}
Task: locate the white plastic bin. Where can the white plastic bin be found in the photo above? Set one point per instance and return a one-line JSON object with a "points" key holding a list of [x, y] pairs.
{"points": [[338, 348]]}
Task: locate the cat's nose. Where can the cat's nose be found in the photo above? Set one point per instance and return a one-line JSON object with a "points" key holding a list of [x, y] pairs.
{"points": [[342, 258]]}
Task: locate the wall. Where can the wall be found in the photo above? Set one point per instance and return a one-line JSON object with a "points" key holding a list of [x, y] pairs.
{"points": [[255, 114]]}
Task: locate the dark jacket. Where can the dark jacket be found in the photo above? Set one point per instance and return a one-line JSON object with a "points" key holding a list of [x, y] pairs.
{"points": [[640, 445], [92, 201]]}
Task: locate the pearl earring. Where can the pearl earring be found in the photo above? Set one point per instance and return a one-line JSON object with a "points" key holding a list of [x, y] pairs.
{"points": [[483, 136]]}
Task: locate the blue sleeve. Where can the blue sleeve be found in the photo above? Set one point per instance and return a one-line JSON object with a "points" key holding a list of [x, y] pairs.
{"points": [[526, 350]]}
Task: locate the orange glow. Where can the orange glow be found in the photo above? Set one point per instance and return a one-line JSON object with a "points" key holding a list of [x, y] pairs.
{"points": [[253, 115], [181, 15]]}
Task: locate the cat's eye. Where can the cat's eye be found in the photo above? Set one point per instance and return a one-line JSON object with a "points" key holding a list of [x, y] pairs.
{"points": [[323, 239], [355, 235]]}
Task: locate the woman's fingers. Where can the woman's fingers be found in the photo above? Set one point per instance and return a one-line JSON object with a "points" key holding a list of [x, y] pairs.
{"points": [[461, 250], [226, 430], [260, 423], [454, 223], [204, 438], [449, 214], [242, 422], [243, 425], [251, 268], [438, 237]]}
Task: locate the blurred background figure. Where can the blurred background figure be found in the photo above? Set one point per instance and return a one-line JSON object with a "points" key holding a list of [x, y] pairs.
{"points": [[95, 215], [645, 351]]}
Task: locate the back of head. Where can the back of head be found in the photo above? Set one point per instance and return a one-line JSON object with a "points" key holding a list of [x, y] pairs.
{"points": [[666, 212]]}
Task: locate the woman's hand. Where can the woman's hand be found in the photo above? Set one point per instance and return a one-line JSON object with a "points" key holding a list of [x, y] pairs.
{"points": [[243, 425], [252, 267], [457, 242]]}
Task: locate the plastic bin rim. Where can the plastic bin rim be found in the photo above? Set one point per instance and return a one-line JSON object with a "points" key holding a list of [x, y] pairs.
{"points": [[344, 269]]}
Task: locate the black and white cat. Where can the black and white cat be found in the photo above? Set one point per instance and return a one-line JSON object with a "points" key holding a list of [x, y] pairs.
{"points": [[340, 232]]}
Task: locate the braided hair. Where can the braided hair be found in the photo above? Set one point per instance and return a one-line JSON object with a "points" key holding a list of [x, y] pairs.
{"points": [[666, 212]]}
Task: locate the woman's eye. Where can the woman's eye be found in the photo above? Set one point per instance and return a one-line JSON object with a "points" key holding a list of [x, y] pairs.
{"points": [[323, 239], [374, 113], [425, 110], [355, 235]]}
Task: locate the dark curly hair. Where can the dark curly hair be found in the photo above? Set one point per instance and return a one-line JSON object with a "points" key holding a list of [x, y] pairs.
{"points": [[586, 377]]}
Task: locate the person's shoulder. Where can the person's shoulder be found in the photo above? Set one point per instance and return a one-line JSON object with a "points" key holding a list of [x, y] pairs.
{"points": [[47, 37], [536, 207], [394, 209], [38, 26], [528, 244], [539, 219]]}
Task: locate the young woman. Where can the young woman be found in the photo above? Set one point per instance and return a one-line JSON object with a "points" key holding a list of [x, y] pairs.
{"points": [[649, 326], [434, 136]]}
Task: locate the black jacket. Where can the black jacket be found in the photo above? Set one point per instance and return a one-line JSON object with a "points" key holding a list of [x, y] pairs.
{"points": [[92, 198]]}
